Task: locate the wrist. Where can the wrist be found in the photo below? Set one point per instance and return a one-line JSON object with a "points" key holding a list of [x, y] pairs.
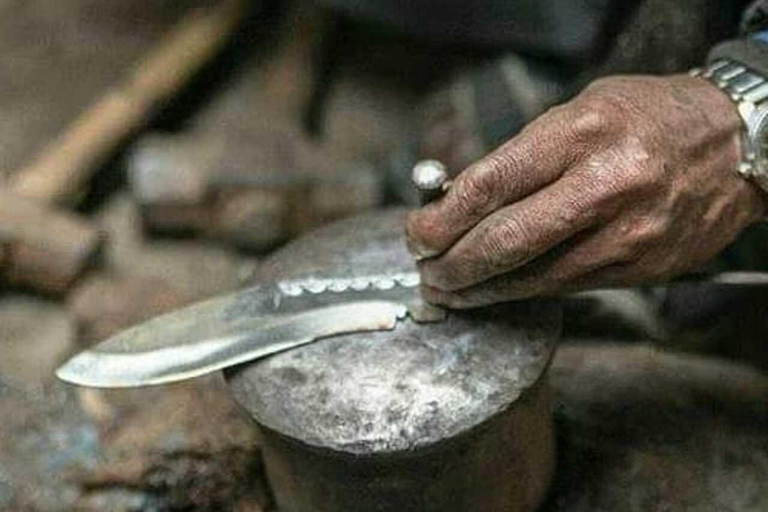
{"points": [[735, 99]]}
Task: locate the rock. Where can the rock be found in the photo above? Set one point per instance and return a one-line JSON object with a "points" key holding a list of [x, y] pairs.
{"points": [[642, 429], [188, 442], [35, 337], [159, 449], [142, 277], [195, 269], [107, 303], [169, 180], [251, 190]]}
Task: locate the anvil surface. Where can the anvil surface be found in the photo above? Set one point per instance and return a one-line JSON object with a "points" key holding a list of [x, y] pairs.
{"points": [[449, 416]]}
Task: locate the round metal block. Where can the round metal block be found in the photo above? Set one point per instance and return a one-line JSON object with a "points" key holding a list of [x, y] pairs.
{"points": [[452, 416]]}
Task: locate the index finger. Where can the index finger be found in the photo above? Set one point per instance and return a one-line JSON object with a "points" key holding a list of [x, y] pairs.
{"points": [[536, 157]]}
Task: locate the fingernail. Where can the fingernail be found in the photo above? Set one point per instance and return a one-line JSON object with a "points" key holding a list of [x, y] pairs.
{"points": [[419, 251]]}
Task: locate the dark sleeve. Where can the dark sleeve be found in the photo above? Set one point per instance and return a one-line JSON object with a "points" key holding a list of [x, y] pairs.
{"points": [[755, 18], [752, 48]]}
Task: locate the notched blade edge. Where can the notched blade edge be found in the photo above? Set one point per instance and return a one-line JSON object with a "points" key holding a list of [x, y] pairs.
{"points": [[92, 368]]}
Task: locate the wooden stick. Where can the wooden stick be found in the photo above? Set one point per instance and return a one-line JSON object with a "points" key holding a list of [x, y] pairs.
{"points": [[60, 172]]}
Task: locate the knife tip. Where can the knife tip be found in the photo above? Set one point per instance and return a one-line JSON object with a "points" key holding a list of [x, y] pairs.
{"points": [[66, 374]]}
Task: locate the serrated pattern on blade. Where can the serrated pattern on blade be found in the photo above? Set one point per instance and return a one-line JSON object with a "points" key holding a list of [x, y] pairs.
{"points": [[316, 286]]}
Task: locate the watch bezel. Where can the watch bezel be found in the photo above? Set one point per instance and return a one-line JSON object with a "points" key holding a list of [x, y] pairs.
{"points": [[756, 142]]}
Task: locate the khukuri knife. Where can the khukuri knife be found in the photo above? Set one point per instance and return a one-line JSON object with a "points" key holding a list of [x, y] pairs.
{"points": [[253, 323]]}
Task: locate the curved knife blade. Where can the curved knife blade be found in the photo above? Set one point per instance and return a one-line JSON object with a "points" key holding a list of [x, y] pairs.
{"points": [[241, 327]]}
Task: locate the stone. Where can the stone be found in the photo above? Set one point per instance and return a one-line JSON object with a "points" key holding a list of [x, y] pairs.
{"points": [[250, 190], [168, 179], [450, 416], [641, 429], [195, 269], [36, 336], [189, 441], [143, 277], [184, 447], [63, 448], [107, 303]]}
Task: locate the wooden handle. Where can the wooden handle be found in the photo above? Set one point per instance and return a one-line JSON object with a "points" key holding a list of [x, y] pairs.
{"points": [[60, 172], [42, 248]]}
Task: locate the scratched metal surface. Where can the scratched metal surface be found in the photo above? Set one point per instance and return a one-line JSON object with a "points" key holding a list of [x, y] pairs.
{"points": [[399, 390]]}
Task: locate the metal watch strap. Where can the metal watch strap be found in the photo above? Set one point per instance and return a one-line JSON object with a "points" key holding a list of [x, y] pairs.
{"points": [[738, 81], [749, 90]]}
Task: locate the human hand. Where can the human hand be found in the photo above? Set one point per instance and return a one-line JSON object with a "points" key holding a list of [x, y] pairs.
{"points": [[631, 182]]}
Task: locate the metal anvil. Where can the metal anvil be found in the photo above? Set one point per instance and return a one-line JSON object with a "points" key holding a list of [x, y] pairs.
{"points": [[451, 416]]}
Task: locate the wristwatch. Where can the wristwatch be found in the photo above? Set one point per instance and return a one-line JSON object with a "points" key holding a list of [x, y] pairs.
{"points": [[748, 89]]}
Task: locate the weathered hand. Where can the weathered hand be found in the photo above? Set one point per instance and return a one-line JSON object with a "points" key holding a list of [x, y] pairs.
{"points": [[631, 182]]}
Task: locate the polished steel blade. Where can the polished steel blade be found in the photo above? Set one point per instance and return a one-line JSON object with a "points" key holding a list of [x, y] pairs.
{"points": [[241, 327]]}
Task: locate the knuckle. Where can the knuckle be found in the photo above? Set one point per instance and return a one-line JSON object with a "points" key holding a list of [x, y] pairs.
{"points": [[487, 181], [600, 116], [575, 211], [624, 173], [473, 192], [640, 170], [504, 244]]}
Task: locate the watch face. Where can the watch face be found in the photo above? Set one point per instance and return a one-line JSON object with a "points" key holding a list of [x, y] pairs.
{"points": [[758, 140]]}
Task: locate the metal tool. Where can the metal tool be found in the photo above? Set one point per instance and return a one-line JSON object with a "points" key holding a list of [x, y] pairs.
{"points": [[430, 178], [247, 325]]}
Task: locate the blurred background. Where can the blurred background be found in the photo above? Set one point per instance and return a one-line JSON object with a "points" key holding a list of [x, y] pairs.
{"points": [[153, 151]]}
